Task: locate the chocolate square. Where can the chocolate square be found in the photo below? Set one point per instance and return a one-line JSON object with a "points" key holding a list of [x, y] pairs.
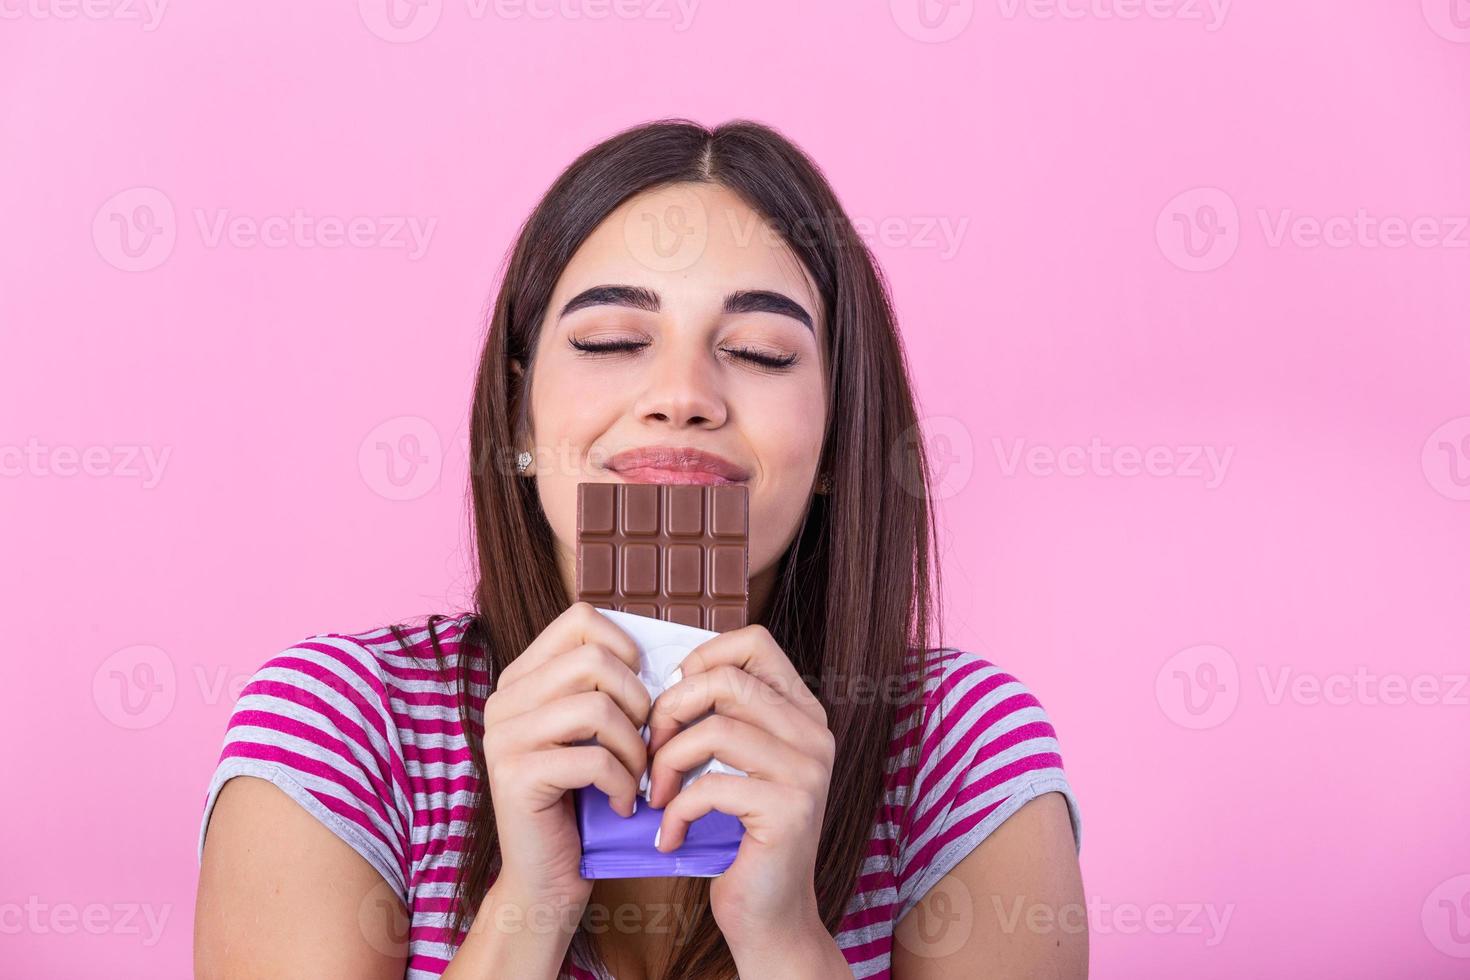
{"points": [[678, 552]]}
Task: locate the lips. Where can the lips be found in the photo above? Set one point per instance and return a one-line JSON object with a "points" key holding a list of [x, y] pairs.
{"points": [[675, 464]]}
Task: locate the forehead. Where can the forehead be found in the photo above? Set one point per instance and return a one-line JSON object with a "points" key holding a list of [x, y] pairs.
{"points": [[691, 243]]}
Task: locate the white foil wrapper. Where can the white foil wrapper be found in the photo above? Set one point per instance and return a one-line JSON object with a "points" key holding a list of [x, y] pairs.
{"points": [[661, 647]]}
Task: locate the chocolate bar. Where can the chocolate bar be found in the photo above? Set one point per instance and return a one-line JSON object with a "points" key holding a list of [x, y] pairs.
{"points": [[677, 552]]}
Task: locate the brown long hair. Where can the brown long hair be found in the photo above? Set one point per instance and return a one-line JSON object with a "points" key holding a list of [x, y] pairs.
{"points": [[856, 590]]}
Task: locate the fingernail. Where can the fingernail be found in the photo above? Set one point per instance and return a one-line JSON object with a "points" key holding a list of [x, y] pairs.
{"points": [[656, 835], [635, 804]]}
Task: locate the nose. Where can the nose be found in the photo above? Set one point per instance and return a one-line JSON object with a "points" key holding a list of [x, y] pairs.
{"points": [[682, 390]]}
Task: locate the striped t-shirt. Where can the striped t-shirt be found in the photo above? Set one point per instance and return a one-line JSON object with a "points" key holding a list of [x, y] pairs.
{"points": [[367, 737]]}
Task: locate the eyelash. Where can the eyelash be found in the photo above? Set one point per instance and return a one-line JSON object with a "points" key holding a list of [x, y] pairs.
{"points": [[620, 346]]}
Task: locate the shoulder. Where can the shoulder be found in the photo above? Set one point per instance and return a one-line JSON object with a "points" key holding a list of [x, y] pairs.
{"points": [[369, 669], [952, 694], [975, 744], [325, 721]]}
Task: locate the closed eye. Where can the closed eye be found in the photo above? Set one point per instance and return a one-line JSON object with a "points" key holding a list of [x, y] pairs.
{"points": [[773, 361]]}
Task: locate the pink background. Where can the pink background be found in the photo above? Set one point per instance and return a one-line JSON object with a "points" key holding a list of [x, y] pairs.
{"points": [[311, 399]]}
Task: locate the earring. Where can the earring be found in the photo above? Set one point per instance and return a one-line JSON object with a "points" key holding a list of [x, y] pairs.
{"points": [[824, 483], [523, 462]]}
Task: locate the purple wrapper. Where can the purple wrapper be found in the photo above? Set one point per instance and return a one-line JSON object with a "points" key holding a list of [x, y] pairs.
{"points": [[614, 846]]}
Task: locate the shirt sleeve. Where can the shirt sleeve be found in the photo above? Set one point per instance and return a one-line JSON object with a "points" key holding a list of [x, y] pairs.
{"points": [[987, 749], [315, 722]]}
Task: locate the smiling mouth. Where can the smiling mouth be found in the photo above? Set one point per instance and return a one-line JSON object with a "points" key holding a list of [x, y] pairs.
{"points": [[677, 465], [661, 474]]}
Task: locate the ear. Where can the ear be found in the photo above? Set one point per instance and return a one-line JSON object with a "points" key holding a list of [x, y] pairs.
{"points": [[517, 393]]}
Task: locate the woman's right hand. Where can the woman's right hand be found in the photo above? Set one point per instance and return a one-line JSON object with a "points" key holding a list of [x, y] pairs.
{"points": [[576, 681]]}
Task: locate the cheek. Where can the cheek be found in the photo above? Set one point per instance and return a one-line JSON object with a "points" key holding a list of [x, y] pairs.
{"points": [[569, 411], [787, 436]]}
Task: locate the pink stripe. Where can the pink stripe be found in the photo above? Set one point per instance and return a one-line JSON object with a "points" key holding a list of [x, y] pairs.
{"points": [[863, 952], [987, 752], [926, 853], [938, 728], [428, 755], [446, 785], [321, 768], [347, 726], [445, 700], [1031, 763], [929, 808]]}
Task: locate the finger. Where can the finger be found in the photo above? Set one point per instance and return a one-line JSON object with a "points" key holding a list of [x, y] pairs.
{"points": [[591, 667], [755, 651], [543, 778], [770, 813], [579, 624], [728, 691], [591, 715], [735, 743]]}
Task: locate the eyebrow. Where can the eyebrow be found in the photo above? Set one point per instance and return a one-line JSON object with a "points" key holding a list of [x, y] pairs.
{"points": [[639, 298]]}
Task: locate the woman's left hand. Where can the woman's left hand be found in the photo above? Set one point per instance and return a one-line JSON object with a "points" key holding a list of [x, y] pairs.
{"points": [[769, 724]]}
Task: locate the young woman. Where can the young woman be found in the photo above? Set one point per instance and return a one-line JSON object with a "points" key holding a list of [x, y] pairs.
{"points": [[683, 305]]}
